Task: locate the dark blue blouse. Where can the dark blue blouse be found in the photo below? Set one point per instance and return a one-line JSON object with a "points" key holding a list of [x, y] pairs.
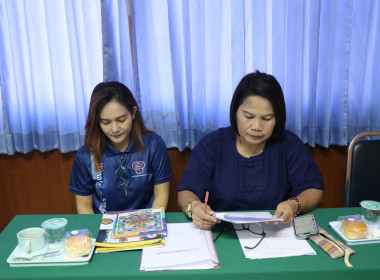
{"points": [[142, 171], [284, 169]]}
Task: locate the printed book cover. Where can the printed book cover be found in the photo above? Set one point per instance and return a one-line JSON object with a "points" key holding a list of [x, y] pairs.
{"points": [[140, 222], [106, 242]]}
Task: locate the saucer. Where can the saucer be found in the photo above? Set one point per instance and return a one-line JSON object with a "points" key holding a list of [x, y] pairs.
{"points": [[56, 260]]}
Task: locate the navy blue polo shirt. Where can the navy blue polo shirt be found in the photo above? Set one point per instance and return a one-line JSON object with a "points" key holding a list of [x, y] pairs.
{"points": [[141, 172], [284, 169]]}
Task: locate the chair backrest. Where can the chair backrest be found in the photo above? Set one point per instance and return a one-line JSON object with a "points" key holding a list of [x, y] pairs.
{"points": [[362, 170]]}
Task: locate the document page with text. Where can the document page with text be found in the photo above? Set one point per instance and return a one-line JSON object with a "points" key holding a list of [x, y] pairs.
{"points": [[186, 247]]}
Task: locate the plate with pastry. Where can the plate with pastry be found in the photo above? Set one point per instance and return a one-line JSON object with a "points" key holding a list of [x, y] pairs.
{"points": [[354, 230]]}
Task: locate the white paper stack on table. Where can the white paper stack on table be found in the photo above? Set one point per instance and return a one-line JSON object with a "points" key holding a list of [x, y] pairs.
{"points": [[246, 217], [186, 247], [279, 241]]}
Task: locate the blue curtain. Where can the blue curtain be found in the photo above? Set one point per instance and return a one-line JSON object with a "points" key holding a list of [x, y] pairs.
{"points": [[191, 55], [186, 61], [53, 53], [50, 60]]}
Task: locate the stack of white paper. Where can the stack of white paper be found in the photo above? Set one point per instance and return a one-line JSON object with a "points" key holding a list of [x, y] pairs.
{"points": [[186, 247], [279, 241], [246, 217]]}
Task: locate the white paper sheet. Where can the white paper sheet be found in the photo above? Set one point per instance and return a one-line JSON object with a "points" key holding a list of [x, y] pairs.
{"points": [[245, 217], [186, 247], [279, 242]]}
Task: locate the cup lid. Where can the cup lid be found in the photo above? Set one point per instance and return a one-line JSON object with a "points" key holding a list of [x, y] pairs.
{"points": [[54, 223], [370, 204]]}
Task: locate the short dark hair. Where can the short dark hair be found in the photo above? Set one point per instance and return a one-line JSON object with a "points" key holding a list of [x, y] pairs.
{"points": [[263, 85]]}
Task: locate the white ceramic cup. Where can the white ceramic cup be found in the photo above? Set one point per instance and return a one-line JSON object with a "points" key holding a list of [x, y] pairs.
{"points": [[31, 239]]}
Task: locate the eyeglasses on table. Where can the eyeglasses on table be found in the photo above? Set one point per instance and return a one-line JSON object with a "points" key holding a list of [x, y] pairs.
{"points": [[254, 228]]}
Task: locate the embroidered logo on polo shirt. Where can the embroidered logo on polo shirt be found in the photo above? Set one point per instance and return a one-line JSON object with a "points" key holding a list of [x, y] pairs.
{"points": [[138, 166]]}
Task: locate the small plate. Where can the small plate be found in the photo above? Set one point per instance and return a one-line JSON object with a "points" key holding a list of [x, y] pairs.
{"points": [[335, 225], [56, 260]]}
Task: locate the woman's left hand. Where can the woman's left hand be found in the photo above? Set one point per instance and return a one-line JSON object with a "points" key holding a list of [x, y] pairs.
{"points": [[285, 210]]}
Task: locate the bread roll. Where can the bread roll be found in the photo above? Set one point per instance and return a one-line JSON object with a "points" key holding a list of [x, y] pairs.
{"points": [[354, 228], [78, 246]]}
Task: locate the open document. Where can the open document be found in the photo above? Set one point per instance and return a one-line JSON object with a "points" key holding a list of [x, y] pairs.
{"points": [[245, 217], [186, 247], [279, 241]]}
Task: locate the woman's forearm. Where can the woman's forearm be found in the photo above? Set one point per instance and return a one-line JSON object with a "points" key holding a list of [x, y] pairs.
{"points": [[161, 195]]}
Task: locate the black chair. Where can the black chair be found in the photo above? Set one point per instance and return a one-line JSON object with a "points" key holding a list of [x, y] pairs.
{"points": [[363, 169]]}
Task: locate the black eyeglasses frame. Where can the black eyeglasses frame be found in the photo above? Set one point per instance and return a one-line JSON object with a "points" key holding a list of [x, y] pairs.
{"points": [[244, 227]]}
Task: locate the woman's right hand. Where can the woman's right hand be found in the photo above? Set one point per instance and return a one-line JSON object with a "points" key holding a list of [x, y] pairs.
{"points": [[201, 218]]}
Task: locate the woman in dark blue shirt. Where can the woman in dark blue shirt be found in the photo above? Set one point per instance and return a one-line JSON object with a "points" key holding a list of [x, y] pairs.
{"points": [[256, 164], [122, 165]]}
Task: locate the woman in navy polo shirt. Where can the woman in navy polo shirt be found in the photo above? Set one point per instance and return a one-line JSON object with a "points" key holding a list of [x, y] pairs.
{"points": [[122, 165], [255, 164]]}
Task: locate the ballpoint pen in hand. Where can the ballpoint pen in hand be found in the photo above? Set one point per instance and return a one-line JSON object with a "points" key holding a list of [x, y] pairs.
{"points": [[206, 200]]}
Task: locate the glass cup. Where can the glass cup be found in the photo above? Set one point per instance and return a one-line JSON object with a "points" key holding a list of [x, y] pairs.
{"points": [[55, 232]]}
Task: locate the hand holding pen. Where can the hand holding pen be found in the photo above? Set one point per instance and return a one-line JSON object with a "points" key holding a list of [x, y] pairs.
{"points": [[203, 215]]}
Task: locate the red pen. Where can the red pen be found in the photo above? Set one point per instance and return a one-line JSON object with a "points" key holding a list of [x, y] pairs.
{"points": [[206, 200]]}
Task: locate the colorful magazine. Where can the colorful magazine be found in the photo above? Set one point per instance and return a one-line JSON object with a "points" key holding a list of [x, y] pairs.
{"points": [[106, 242], [141, 222]]}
